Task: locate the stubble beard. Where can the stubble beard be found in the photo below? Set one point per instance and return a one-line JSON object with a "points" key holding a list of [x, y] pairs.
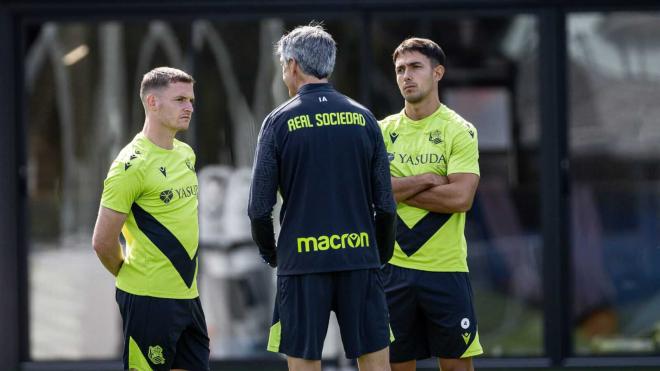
{"points": [[415, 97], [184, 125]]}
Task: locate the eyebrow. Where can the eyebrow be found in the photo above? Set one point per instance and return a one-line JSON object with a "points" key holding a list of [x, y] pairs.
{"points": [[408, 64]]}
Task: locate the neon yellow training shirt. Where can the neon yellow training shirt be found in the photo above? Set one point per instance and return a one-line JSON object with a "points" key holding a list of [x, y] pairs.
{"points": [[443, 143], [157, 188]]}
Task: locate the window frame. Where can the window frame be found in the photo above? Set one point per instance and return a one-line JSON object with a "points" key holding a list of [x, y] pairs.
{"points": [[555, 190]]}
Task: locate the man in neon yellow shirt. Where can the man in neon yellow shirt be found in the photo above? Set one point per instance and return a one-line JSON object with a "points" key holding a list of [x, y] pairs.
{"points": [[433, 156], [150, 196]]}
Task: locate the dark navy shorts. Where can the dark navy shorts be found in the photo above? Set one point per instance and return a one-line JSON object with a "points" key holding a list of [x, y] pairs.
{"points": [[302, 311], [161, 334], [431, 314]]}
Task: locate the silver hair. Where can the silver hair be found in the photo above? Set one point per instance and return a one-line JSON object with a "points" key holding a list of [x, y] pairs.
{"points": [[311, 47]]}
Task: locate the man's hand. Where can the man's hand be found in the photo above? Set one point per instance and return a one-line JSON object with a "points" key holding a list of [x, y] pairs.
{"points": [[270, 257], [263, 236], [435, 179]]}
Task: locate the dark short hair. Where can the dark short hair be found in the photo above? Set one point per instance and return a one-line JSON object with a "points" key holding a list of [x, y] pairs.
{"points": [[425, 46], [161, 77]]}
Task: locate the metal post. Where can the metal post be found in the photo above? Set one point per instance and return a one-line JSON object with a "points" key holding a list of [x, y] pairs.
{"points": [[554, 186], [10, 306]]}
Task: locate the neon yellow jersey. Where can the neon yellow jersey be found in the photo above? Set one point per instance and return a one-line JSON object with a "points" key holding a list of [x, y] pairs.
{"points": [[443, 143], [157, 188]]}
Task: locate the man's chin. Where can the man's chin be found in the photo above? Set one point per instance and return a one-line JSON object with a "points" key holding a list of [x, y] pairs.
{"points": [[412, 98]]}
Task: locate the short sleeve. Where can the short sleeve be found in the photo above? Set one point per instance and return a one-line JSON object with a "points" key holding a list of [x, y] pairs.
{"points": [[464, 157], [122, 187]]}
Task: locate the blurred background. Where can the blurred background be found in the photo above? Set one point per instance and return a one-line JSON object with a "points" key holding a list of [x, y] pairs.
{"points": [[563, 238]]}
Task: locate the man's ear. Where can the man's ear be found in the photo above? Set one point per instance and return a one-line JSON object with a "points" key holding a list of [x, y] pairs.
{"points": [[295, 67], [151, 102], [438, 72]]}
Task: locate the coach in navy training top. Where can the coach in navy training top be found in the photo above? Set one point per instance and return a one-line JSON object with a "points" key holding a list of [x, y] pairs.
{"points": [[326, 156]]}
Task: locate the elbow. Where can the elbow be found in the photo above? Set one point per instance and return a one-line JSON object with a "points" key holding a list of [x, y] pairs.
{"points": [[259, 213], [251, 211], [100, 247], [464, 205], [256, 218]]}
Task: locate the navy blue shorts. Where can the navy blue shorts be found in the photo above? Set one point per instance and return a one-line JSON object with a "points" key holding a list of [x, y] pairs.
{"points": [[161, 334], [302, 311], [431, 314]]}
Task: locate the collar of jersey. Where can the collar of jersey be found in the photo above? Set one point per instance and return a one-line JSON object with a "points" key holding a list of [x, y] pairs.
{"points": [[141, 137], [307, 88], [426, 120]]}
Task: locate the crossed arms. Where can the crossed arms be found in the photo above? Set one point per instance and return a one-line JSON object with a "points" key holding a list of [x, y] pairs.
{"points": [[441, 194]]}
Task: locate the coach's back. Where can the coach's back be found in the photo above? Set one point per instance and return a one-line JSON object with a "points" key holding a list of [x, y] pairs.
{"points": [[328, 151]]}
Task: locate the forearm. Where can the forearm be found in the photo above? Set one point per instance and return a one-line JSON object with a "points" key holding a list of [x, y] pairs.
{"points": [[447, 199], [263, 235], [385, 224], [260, 208], [404, 188], [111, 258]]}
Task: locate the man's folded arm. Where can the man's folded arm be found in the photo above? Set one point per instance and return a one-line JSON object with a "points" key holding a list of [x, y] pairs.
{"points": [[455, 196], [408, 186]]}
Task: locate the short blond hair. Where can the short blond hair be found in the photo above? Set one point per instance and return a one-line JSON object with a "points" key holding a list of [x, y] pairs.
{"points": [[161, 77]]}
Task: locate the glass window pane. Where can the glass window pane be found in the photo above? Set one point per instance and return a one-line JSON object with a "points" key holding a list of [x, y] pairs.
{"points": [[614, 65], [491, 80]]}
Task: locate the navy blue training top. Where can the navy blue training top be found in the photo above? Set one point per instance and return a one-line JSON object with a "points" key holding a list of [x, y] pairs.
{"points": [[325, 154]]}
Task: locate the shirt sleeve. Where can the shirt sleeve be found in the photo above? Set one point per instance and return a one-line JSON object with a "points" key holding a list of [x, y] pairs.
{"points": [[263, 190], [122, 186], [381, 179], [464, 157], [384, 204]]}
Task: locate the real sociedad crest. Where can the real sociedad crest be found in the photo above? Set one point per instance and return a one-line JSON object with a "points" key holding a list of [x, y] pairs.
{"points": [[434, 137]]}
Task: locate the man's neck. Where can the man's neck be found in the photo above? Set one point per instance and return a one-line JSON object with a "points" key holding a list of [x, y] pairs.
{"points": [[420, 110], [158, 135], [304, 80]]}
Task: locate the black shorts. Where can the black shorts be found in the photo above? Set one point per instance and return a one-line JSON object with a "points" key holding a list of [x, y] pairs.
{"points": [[161, 334], [302, 311], [431, 314]]}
